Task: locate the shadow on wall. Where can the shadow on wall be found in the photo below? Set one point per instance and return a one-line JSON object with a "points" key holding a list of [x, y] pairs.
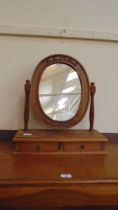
{"points": [[7, 134]]}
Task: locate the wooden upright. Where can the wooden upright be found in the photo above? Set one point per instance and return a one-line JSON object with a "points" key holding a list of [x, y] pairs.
{"points": [[26, 108], [91, 116]]}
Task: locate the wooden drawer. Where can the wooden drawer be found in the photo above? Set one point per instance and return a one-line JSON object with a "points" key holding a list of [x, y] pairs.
{"points": [[37, 147], [59, 142], [83, 147]]}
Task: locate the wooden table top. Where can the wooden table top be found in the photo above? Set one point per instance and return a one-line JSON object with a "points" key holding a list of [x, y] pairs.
{"points": [[91, 176]]}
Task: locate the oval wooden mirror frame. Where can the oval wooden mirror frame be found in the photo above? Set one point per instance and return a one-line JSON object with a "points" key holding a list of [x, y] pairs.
{"points": [[85, 90]]}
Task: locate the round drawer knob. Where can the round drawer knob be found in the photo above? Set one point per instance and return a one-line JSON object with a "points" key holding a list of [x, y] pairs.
{"points": [[82, 146], [38, 147]]}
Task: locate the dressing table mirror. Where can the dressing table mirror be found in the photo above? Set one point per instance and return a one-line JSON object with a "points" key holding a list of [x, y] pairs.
{"points": [[60, 94]]}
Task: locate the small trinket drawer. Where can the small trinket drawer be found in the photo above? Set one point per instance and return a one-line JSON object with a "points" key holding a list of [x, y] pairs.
{"points": [[52, 142]]}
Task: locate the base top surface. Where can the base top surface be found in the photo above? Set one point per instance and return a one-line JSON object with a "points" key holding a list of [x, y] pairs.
{"points": [[59, 136]]}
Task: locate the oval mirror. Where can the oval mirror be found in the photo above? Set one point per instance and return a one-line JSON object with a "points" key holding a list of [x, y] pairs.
{"points": [[60, 91]]}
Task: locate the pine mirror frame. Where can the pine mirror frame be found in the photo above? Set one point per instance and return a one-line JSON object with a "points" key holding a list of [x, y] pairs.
{"points": [[85, 90]]}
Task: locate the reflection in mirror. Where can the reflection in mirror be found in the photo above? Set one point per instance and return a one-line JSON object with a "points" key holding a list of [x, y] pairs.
{"points": [[60, 92]]}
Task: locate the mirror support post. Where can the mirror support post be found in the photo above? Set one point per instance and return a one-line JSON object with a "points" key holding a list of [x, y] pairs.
{"points": [[91, 114], [26, 107]]}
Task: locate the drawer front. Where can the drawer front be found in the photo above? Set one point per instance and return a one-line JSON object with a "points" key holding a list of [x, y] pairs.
{"points": [[59, 147], [47, 147], [82, 147], [37, 147]]}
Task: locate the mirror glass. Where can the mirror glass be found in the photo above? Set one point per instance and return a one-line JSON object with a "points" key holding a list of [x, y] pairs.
{"points": [[59, 92]]}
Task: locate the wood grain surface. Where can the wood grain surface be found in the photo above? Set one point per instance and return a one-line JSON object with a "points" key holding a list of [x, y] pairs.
{"points": [[35, 181]]}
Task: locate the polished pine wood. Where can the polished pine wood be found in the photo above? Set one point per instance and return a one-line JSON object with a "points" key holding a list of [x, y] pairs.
{"points": [[91, 115], [61, 142], [35, 181], [26, 108]]}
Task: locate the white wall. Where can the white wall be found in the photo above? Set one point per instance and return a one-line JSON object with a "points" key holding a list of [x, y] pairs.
{"points": [[20, 54]]}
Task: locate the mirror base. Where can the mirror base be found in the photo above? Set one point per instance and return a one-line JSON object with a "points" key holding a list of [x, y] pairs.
{"points": [[60, 142]]}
